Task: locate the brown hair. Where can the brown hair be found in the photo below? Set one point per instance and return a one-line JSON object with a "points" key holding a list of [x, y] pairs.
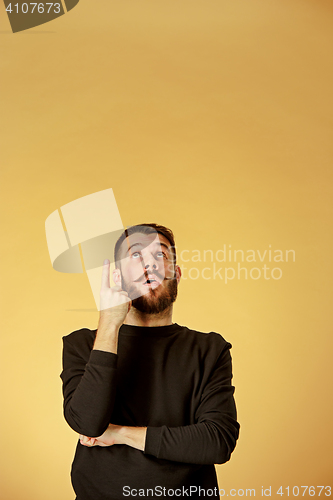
{"points": [[145, 229]]}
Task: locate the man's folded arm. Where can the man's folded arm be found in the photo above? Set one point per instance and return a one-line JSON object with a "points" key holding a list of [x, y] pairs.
{"points": [[204, 443], [88, 389], [213, 437]]}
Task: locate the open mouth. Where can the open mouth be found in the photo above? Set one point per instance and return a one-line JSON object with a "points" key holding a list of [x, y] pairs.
{"points": [[151, 282]]}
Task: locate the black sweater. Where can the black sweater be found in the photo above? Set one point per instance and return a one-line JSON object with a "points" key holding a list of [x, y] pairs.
{"points": [[170, 379]]}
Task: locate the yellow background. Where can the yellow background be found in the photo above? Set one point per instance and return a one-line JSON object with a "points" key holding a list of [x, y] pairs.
{"points": [[214, 118]]}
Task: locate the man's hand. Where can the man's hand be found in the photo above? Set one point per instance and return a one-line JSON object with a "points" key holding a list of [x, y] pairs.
{"points": [[114, 302], [118, 434], [114, 306]]}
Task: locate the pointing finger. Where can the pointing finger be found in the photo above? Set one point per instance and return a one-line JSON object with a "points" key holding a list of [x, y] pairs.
{"points": [[106, 274]]}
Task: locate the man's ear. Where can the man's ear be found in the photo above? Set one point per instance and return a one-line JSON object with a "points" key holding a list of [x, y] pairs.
{"points": [[178, 273], [116, 276]]}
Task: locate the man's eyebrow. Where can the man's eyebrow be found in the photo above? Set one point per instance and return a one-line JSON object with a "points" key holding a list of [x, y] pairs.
{"points": [[141, 245], [134, 244], [164, 245]]}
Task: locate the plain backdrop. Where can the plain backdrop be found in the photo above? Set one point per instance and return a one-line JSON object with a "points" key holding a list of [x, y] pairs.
{"points": [[214, 118]]}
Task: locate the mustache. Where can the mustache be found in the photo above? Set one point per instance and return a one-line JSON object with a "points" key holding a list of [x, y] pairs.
{"points": [[147, 275]]}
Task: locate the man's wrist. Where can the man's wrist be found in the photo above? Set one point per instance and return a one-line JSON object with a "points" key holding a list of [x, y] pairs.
{"points": [[106, 336], [133, 436]]}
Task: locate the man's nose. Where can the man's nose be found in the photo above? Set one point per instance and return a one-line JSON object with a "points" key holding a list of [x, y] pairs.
{"points": [[149, 263], [150, 266]]}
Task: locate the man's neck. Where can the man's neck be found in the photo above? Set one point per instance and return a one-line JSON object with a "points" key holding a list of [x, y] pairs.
{"points": [[137, 318]]}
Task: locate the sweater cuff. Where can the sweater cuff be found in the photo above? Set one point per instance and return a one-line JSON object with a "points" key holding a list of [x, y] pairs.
{"points": [[103, 358], [153, 441]]}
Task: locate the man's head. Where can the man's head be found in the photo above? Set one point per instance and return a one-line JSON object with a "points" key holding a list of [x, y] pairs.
{"points": [[145, 260]]}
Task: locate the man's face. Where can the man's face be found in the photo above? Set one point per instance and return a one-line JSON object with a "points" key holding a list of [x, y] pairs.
{"points": [[148, 273]]}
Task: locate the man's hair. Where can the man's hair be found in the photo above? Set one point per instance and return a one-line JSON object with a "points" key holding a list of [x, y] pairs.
{"points": [[145, 229]]}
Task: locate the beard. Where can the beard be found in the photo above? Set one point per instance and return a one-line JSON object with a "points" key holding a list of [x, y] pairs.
{"points": [[155, 300]]}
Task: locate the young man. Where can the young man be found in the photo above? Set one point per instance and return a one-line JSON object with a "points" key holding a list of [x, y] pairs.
{"points": [[152, 400]]}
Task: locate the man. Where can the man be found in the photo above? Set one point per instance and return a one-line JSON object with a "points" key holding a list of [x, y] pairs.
{"points": [[152, 400]]}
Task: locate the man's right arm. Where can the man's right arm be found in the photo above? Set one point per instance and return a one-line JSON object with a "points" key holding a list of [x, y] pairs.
{"points": [[89, 382], [89, 386]]}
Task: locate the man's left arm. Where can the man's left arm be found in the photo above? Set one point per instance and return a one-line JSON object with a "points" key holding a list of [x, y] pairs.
{"points": [[210, 440]]}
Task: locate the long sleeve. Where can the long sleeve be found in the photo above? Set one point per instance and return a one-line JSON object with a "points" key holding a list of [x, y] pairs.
{"points": [[88, 388], [173, 380], [213, 437]]}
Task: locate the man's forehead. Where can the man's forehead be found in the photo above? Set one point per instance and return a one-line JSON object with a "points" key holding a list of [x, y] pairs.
{"points": [[141, 240]]}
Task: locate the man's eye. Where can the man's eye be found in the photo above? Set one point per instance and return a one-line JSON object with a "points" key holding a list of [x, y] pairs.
{"points": [[161, 254], [136, 254]]}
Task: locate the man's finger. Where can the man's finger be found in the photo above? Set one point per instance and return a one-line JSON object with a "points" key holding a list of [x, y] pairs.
{"points": [[106, 274], [87, 441]]}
